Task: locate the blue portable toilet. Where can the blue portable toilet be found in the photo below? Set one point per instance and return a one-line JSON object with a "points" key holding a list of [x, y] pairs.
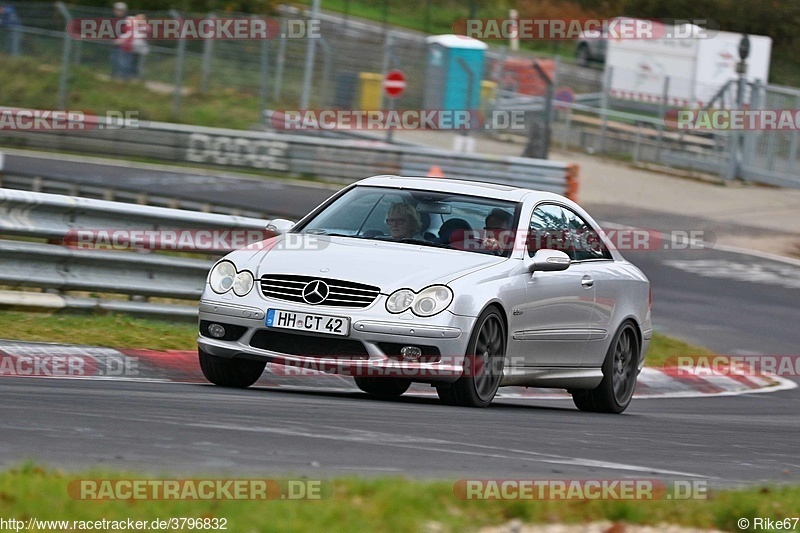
{"points": [[455, 71]]}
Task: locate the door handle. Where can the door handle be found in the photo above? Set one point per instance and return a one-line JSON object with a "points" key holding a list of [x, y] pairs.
{"points": [[587, 282]]}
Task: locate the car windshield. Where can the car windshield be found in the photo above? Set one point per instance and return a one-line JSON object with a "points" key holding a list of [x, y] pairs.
{"points": [[417, 217]]}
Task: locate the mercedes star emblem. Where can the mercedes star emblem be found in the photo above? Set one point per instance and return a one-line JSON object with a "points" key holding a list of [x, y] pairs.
{"points": [[315, 292]]}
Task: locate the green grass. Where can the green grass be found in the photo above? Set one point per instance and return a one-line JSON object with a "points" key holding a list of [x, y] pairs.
{"points": [[27, 84], [382, 504], [119, 331], [113, 331]]}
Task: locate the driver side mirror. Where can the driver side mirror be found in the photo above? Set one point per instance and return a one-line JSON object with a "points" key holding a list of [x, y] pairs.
{"points": [[279, 225], [545, 260]]}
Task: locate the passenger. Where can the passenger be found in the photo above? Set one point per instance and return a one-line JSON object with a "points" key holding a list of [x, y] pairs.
{"points": [[499, 237], [403, 221], [454, 229]]}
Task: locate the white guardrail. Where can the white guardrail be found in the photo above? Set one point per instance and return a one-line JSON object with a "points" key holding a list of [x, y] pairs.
{"points": [[341, 160], [60, 269]]}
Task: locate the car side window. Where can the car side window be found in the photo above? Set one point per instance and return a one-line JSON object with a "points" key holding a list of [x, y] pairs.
{"points": [[585, 241], [548, 230]]}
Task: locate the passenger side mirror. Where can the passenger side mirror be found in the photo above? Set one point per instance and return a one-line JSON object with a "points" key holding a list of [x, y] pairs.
{"points": [[279, 225], [549, 261]]}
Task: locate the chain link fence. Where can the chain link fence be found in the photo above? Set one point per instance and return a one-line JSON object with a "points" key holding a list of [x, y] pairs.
{"points": [[583, 110]]}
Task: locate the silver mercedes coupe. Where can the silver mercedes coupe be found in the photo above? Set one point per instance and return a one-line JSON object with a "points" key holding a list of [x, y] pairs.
{"points": [[462, 285]]}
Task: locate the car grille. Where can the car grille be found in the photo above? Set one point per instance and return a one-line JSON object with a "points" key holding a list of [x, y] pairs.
{"points": [[342, 293]]}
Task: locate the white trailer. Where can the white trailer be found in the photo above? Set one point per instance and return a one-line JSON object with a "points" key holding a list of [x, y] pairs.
{"points": [[697, 67]]}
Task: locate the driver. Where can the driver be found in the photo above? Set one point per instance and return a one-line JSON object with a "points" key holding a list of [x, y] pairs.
{"points": [[403, 221]]}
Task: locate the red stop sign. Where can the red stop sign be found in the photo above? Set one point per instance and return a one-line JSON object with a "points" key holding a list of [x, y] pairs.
{"points": [[394, 83]]}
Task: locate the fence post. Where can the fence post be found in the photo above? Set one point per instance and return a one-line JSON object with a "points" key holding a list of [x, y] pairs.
{"points": [[263, 89], [280, 62], [326, 69], [662, 107], [65, 57], [793, 143], [176, 97], [205, 69], [388, 61], [311, 50], [604, 108], [735, 138]]}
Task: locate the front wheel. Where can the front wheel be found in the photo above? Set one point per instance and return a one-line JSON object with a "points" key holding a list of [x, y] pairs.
{"points": [[235, 373], [620, 370], [383, 387], [483, 364]]}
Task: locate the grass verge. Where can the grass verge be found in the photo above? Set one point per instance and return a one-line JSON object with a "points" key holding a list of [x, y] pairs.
{"points": [[27, 84], [120, 331], [382, 504]]}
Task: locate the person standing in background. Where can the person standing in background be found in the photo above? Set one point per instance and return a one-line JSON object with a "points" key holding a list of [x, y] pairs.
{"points": [[9, 22], [120, 60], [141, 31]]}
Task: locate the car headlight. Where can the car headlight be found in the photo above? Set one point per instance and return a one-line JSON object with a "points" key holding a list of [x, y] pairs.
{"points": [[399, 301], [222, 277], [242, 283], [430, 301]]}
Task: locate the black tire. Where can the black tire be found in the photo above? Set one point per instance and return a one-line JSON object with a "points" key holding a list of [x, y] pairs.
{"points": [[620, 370], [383, 387], [483, 364], [234, 373]]}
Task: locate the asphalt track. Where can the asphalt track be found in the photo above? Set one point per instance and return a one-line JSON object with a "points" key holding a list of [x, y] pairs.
{"points": [[733, 303], [204, 429]]}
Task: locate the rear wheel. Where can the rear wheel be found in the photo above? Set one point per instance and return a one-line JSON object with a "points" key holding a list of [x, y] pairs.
{"points": [[483, 364], [620, 370], [235, 373], [383, 387]]}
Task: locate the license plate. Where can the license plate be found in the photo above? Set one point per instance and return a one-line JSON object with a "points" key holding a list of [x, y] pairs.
{"points": [[332, 325]]}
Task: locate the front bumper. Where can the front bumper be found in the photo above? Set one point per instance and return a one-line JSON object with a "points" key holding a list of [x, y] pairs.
{"points": [[445, 334]]}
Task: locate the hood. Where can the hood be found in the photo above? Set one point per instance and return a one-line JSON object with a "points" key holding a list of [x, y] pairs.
{"points": [[387, 265]]}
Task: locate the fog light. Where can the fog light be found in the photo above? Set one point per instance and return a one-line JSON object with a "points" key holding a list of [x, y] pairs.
{"points": [[216, 331], [410, 353]]}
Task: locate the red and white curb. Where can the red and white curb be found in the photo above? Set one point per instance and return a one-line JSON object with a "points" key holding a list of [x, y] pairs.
{"points": [[36, 359]]}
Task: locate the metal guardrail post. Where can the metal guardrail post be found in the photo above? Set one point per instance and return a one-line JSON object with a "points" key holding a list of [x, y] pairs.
{"points": [[65, 57], [176, 97]]}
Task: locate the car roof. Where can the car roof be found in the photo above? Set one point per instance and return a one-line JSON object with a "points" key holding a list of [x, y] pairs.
{"points": [[455, 186]]}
